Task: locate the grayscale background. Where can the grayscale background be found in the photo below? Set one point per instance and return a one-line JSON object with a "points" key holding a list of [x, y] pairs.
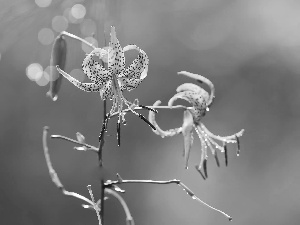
{"points": [[250, 50]]}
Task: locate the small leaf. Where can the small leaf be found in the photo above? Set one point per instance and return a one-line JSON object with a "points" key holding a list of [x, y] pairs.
{"points": [[58, 57], [81, 148], [217, 159], [80, 138], [118, 189]]}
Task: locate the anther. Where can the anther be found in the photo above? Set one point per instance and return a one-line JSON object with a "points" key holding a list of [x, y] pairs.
{"points": [[148, 108], [226, 156], [119, 133], [150, 124], [238, 145], [217, 159], [205, 167], [197, 168]]}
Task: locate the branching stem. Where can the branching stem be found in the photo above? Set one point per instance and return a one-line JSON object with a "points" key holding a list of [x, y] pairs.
{"points": [[90, 147], [53, 174], [153, 107], [110, 183]]}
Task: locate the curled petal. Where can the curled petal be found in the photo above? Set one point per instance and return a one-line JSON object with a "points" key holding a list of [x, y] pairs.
{"points": [[139, 67], [204, 80], [93, 69], [88, 87], [196, 100], [193, 87], [187, 132], [158, 131], [116, 65]]}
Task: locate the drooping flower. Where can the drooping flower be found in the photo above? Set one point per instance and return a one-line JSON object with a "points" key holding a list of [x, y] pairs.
{"points": [[111, 82], [200, 101]]}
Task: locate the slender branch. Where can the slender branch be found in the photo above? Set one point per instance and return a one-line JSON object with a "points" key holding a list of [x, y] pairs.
{"points": [[90, 147], [129, 219], [53, 174], [153, 107], [101, 144], [94, 204], [78, 39], [109, 183]]}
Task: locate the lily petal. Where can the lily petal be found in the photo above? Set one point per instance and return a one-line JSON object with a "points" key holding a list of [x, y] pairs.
{"points": [[139, 67], [196, 100], [159, 131], [106, 92], [93, 69], [88, 87], [187, 132], [193, 87], [116, 65], [129, 84], [204, 80]]}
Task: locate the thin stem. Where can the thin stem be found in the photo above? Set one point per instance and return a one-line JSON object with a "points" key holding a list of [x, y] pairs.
{"points": [[94, 204], [109, 183], [104, 125], [175, 181], [129, 219], [90, 147], [53, 174], [78, 39]]}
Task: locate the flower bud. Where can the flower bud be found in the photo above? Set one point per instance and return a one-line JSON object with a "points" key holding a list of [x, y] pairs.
{"points": [[58, 57]]}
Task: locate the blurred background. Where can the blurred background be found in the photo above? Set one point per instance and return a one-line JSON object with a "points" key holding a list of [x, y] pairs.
{"points": [[250, 50]]}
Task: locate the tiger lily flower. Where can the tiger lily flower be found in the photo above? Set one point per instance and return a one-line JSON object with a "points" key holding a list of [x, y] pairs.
{"points": [[111, 82], [200, 101]]}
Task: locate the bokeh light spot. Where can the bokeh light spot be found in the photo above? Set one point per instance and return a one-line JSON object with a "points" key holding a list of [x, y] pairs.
{"points": [[78, 11], [34, 71], [43, 3], [67, 13], [88, 27], [44, 79], [46, 36], [78, 74], [87, 49], [59, 23]]}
